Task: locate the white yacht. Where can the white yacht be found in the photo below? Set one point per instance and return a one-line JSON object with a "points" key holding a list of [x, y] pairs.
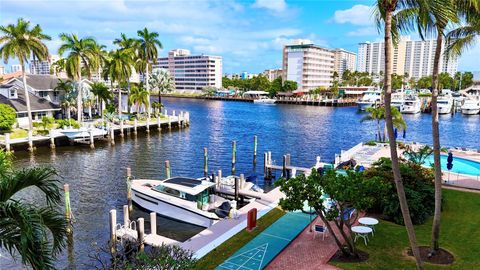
{"points": [[82, 133], [369, 99], [185, 199], [397, 100], [445, 104], [471, 106], [260, 97], [411, 104]]}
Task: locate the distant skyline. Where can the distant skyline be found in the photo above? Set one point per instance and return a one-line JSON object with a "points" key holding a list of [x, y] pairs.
{"points": [[248, 34]]}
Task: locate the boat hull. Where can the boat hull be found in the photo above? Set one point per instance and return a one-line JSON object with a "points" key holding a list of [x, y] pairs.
{"points": [[264, 101], [444, 110], [170, 210], [363, 106], [470, 111]]}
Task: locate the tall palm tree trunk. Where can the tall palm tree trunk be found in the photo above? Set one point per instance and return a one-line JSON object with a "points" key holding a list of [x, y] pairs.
{"points": [[393, 144], [147, 86], [119, 102], [27, 99], [79, 93], [436, 147]]}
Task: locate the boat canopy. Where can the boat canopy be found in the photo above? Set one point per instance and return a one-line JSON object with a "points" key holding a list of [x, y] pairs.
{"points": [[188, 185]]}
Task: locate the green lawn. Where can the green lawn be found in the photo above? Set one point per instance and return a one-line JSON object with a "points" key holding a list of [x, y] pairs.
{"points": [[225, 250], [460, 234], [16, 133]]}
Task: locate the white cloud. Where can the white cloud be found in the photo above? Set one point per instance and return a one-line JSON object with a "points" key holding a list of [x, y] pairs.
{"points": [[363, 31], [274, 5], [356, 15]]}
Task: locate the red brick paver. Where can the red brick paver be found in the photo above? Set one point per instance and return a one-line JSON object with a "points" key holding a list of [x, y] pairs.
{"points": [[306, 253]]}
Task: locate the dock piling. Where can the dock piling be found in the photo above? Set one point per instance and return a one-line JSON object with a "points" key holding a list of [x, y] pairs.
{"points": [[141, 233], [135, 124], [219, 175], [205, 161], [255, 151], [129, 188], [168, 170], [234, 156], [284, 166], [92, 145], [121, 128], [179, 120], [126, 217], [52, 139], [237, 187], [159, 125], [7, 142], [112, 136], [148, 125], [113, 229], [30, 141], [265, 163], [153, 223]]}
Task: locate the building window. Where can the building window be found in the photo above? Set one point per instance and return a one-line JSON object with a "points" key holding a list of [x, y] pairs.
{"points": [[13, 93]]}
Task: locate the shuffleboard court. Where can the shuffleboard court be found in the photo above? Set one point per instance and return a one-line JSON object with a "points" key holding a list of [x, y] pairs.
{"points": [[261, 250]]}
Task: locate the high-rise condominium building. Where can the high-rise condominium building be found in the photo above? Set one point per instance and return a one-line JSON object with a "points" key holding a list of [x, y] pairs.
{"points": [[412, 57], [42, 67], [309, 65], [192, 72], [345, 60]]}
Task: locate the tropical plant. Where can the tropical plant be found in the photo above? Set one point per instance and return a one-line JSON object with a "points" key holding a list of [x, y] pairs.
{"points": [[148, 53], [65, 123], [8, 117], [58, 66], [21, 42], [377, 114], [417, 156], [47, 122], [119, 69], [139, 97], [99, 58], [80, 53], [157, 108], [384, 11], [68, 100], [36, 233], [162, 82], [103, 94]]}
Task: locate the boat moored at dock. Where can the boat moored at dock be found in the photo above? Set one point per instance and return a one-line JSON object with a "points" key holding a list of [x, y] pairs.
{"points": [[445, 104], [260, 97], [369, 99], [471, 106], [411, 105]]}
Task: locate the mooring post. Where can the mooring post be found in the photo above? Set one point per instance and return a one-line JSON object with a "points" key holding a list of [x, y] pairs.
{"points": [[237, 187], [288, 160], [219, 175], [92, 145], [52, 139], [121, 128], [234, 156], [270, 158], [242, 180], [113, 229], [284, 166], [148, 125], [159, 124], [168, 171], [188, 118], [126, 217], [169, 121], [7, 142], [112, 136], [254, 151], [141, 233], [129, 188], [173, 113], [135, 125], [265, 163], [68, 210], [205, 161], [30, 141], [153, 223]]}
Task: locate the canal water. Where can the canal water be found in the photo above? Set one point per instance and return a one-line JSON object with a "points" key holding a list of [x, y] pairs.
{"points": [[97, 177]]}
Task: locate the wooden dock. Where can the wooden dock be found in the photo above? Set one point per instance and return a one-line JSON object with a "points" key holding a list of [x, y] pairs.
{"points": [[56, 137]]}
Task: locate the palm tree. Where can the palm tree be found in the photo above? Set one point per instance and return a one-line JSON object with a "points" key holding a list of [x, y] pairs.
{"points": [[162, 82], [148, 43], [384, 12], [80, 53], [20, 41], [378, 115], [37, 233], [99, 58], [157, 108], [119, 69], [68, 99], [139, 97], [58, 66], [103, 94]]}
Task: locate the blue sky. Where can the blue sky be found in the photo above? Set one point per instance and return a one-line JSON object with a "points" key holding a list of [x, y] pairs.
{"points": [[248, 34]]}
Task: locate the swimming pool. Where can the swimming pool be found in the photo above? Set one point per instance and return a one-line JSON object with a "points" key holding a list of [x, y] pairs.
{"points": [[460, 165]]}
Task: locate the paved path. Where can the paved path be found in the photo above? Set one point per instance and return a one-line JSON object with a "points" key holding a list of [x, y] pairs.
{"points": [[257, 253]]}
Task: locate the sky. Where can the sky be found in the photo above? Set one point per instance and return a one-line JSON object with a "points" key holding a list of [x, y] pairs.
{"points": [[248, 34]]}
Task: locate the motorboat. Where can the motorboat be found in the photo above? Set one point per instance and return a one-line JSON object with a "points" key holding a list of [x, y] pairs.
{"points": [[471, 106], [369, 99], [445, 104], [185, 199], [411, 104], [259, 97], [397, 100], [82, 133]]}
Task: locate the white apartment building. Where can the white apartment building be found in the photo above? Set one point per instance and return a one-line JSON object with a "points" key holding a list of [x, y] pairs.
{"points": [[273, 74], [345, 60], [2, 70], [309, 65], [412, 57], [16, 68], [42, 67], [192, 72]]}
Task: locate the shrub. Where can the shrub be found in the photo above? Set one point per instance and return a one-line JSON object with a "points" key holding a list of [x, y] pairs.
{"points": [[371, 143], [47, 122], [8, 117], [419, 189], [67, 123]]}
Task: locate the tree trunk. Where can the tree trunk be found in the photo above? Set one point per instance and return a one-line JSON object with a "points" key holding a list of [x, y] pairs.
{"points": [[332, 233], [119, 103], [27, 99], [393, 144], [436, 147], [148, 90], [79, 94]]}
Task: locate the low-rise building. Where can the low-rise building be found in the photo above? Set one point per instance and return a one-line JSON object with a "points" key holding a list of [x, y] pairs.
{"points": [[273, 74]]}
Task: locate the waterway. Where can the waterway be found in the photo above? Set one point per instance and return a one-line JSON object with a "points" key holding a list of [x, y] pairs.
{"points": [[97, 177]]}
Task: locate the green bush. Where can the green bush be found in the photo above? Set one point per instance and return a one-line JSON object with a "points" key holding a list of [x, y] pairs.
{"points": [[371, 143], [8, 117], [47, 122], [419, 189], [67, 123]]}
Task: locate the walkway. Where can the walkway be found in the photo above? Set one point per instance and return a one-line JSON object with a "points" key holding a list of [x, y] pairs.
{"points": [[257, 253]]}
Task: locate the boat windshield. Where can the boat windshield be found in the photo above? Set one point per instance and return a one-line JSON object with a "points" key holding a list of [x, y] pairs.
{"points": [[175, 193], [442, 102]]}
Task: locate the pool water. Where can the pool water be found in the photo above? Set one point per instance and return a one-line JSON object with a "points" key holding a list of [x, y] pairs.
{"points": [[460, 165]]}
